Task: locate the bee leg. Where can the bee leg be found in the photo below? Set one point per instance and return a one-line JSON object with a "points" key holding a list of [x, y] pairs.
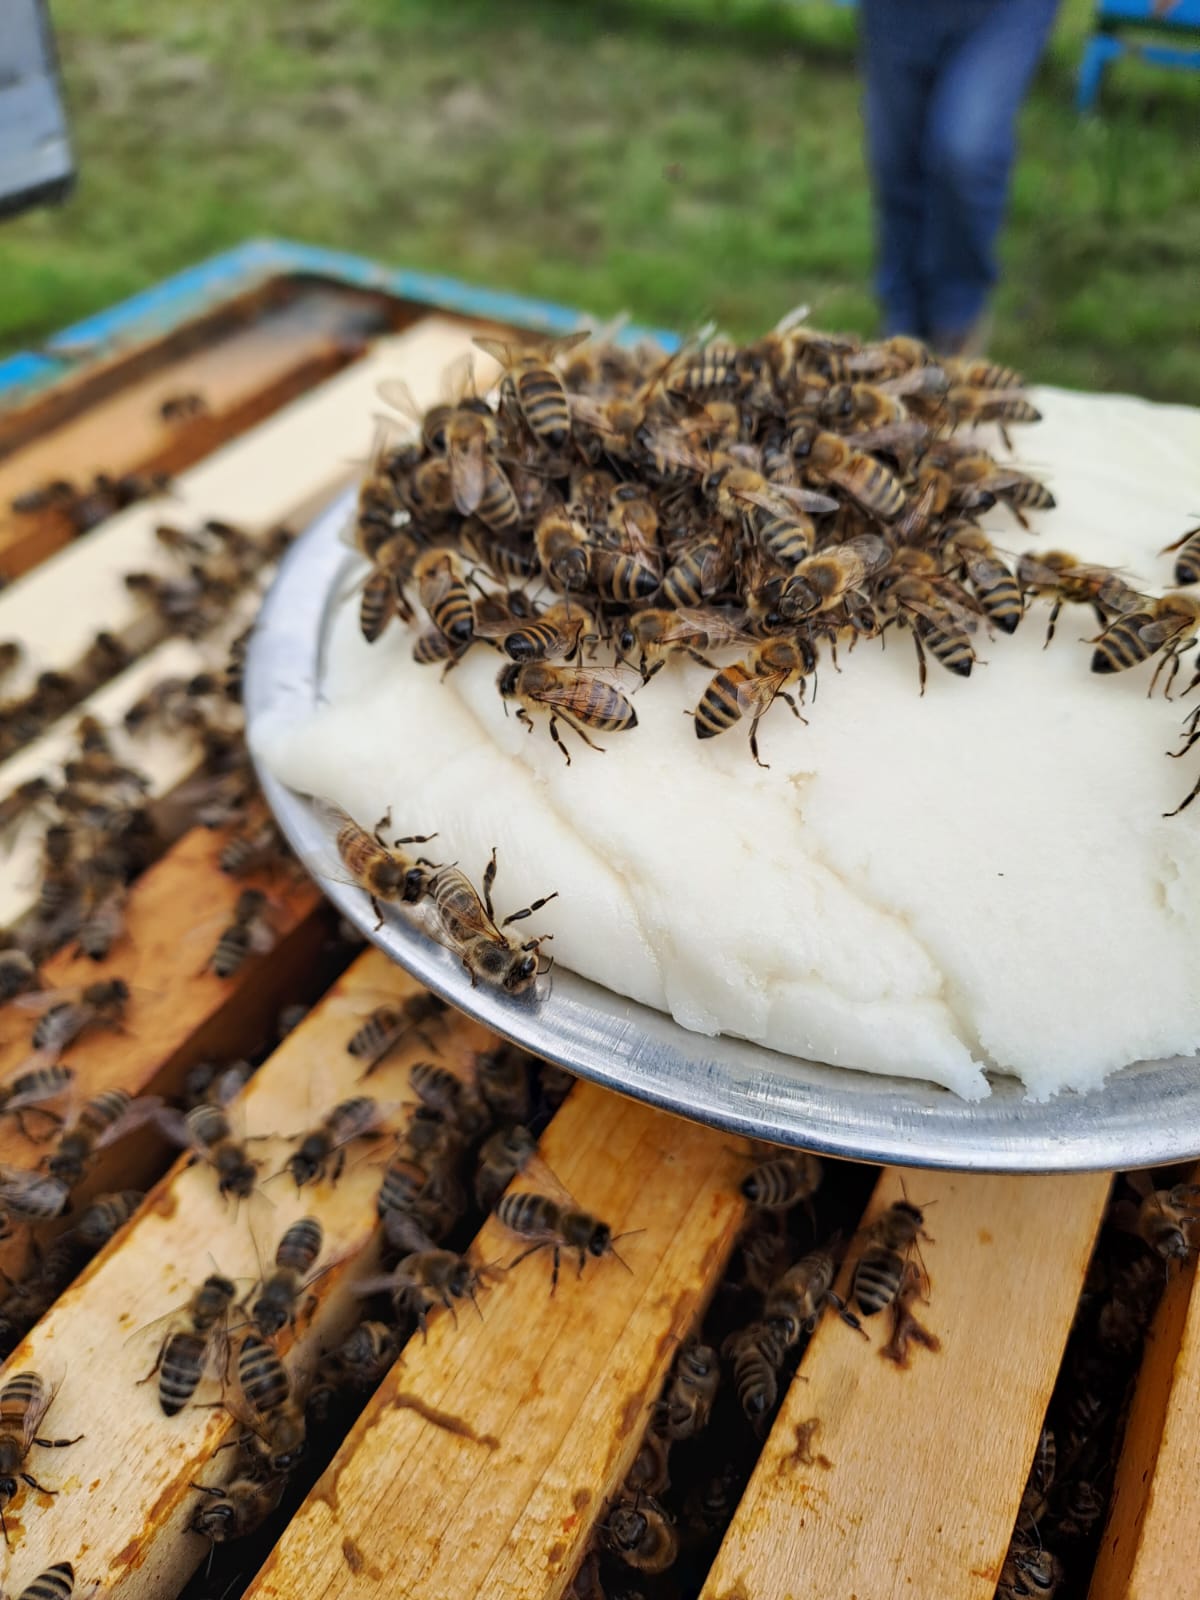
{"points": [[1054, 611], [28, 1477], [378, 910], [557, 737], [554, 1273], [58, 1444], [523, 716], [766, 765], [415, 838], [791, 700], [157, 1362], [1184, 804], [385, 821], [519, 916], [922, 672], [847, 1316], [489, 883], [696, 656]]}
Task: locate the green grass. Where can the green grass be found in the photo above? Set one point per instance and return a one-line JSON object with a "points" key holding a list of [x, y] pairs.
{"points": [[677, 158]]}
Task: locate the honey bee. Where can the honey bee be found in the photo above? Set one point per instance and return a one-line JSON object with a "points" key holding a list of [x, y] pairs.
{"points": [[106, 1216], [825, 580], [639, 1532], [783, 1181], [295, 1257], [617, 575], [23, 798], [555, 635], [1165, 1217], [533, 389], [238, 1509], [966, 404], [31, 1196], [206, 1130], [384, 1028], [502, 1078], [506, 560], [502, 1155], [981, 374], [690, 1392], [967, 550], [650, 1473], [366, 1353], [24, 1401], [556, 1225], [739, 492], [753, 685], [939, 619], [879, 1272], [468, 926], [1168, 625], [182, 407], [757, 1353], [424, 1279], [1029, 1571], [457, 1103], [562, 548], [906, 1329], [385, 874], [382, 596], [103, 913], [185, 1353], [269, 1409], [29, 1091], [1080, 1509], [795, 1301], [700, 569], [828, 459], [1187, 561], [104, 1119], [249, 932], [1019, 492], [464, 431], [323, 1148], [445, 596], [251, 849], [656, 633], [578, 695], [1072, 582], [64, 1020]]}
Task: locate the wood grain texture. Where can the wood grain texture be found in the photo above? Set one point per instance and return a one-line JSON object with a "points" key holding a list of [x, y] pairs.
{"points": [[483, 1463], [1151, 1544], [300, 456], [178, 1015], [917, 1474], [124, 1498], [244, 375]]}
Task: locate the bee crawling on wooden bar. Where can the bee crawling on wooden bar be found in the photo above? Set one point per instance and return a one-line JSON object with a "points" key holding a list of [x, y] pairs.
{"points": [[24, 1402], [557, 1223]]}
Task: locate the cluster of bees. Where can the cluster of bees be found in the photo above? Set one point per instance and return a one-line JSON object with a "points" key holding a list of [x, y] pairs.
{"points": [[85, 506], [684, 1485], [1066, 1498], [765, 499]]}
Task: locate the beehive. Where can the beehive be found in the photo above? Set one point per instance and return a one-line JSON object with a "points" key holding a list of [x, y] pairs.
{"points": [[486, 1460]]}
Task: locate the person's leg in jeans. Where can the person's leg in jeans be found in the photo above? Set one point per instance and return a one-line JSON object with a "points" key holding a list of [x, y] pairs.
{"points": [[902, 43], [970, 145]]}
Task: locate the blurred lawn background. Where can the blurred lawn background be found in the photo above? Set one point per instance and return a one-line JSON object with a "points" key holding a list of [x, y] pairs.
{"points": [[682, 159]]}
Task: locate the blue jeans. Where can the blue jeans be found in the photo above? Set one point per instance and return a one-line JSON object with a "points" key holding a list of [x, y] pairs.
{"points": [[944, 83]]}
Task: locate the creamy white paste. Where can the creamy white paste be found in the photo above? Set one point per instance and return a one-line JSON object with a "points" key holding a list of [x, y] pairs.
{"points": [[982, 878]]}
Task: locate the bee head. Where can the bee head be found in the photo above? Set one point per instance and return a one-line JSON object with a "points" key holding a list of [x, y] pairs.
{"points": [[507, 681]]}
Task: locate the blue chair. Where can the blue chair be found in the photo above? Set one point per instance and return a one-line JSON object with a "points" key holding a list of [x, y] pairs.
{"points": [[1106, 44]]}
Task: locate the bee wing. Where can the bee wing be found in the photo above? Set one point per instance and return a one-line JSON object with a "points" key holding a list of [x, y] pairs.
{"points": [[32, 1419], [1156, 632], [909, 435], [42, 999], [466, 471], [395, 392], [541, 1178], [929, 382], [383, 1283], [175, 1127], [792, 318], [803, 499], [140, 1111], [561, 694], [755, 694], [936, 615], [592, 415], [499, 349]]}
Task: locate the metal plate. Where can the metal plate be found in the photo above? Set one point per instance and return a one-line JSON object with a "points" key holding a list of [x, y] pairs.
{"points": [[1146, 1115]]}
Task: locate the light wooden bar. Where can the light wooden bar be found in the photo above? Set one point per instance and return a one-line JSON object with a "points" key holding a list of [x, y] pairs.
{"points": [[1151, 1544], [243, 374], [483, 1463], [178, 1014], [124, 1502], [914, 1476], [299, 457]]}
